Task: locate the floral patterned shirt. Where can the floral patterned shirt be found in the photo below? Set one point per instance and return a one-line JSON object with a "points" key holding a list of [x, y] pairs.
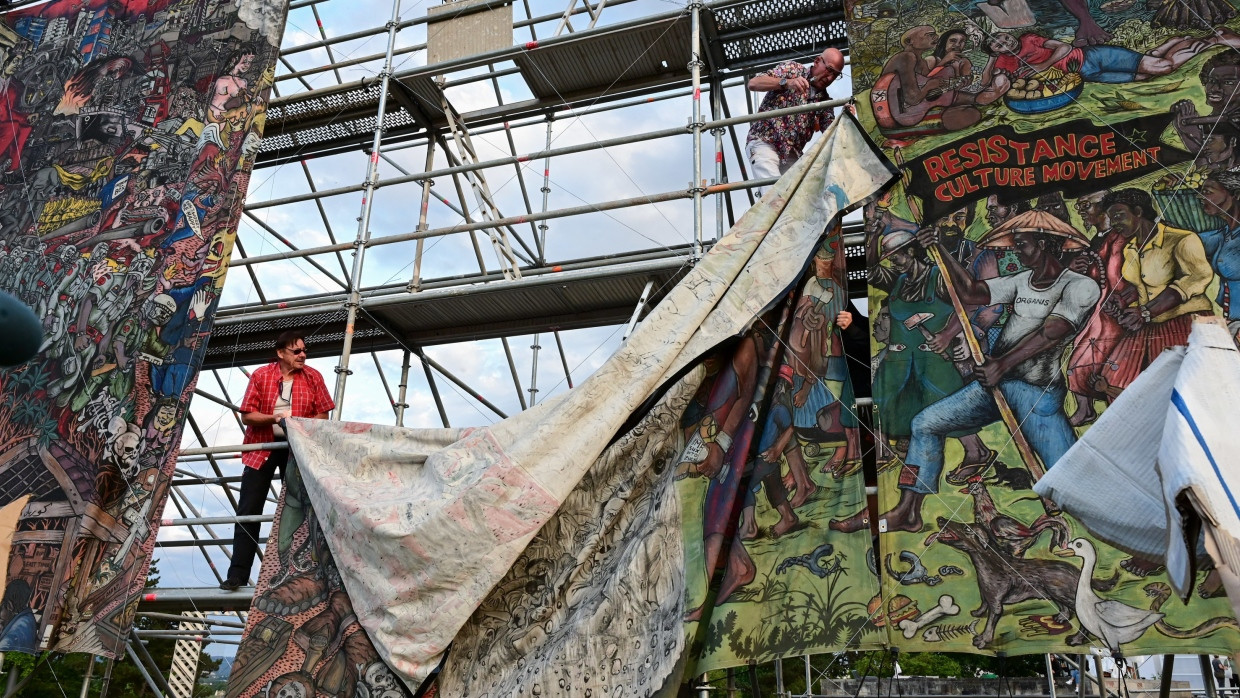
{"points": [[789, 134]]}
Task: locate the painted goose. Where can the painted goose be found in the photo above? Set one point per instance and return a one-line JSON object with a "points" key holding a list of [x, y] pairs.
{"points": [[1113, 622]]}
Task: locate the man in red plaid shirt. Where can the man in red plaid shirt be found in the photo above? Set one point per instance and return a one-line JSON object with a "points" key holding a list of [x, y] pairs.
{"points": [[285, 388]]}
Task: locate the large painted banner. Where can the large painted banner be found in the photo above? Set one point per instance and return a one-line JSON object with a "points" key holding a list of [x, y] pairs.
{"points": [[563, 550], [1067, 204], [127, 133], [777, 536]]}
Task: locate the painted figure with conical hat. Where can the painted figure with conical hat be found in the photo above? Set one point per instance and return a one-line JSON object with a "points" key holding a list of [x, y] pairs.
{"points": [[1050, 303]]}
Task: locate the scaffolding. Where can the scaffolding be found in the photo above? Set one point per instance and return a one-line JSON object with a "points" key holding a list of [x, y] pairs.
{"points": [[499, 248]]}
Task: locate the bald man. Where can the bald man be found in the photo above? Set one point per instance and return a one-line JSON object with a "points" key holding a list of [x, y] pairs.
{"points": [[775, 143]]}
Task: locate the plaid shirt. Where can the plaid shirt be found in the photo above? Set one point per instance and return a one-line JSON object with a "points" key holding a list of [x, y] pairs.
{"points": [[789, 134], [310, 397]]}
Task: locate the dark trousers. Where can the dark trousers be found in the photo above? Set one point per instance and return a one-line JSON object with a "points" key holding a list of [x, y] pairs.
{"points": [[255, 484]]}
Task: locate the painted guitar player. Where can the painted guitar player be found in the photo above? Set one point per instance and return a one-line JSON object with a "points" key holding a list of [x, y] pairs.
{"points": [[918, 94]]}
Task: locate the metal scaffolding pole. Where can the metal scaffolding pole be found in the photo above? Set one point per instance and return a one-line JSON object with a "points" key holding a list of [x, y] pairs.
{"points": [[327, 225], [637, 311], [224, 391], [460, 193], [558, 213], [331, 58], [387, 390], [695, 69], [416, 282], [209, 397], [215, 467], [512, 367], [203, 549], [157, 688], [575, 113], [428, 361], [250, 270], [363, 225], [579, 269], [401, 405], [568, 376], [540, 240], [90, 670], [736, 149], [430, 381], [233, 312], [107, 679], [716, 113], [504, 252], [189, 619], [512, 148], [533, 389], [272, 231]]}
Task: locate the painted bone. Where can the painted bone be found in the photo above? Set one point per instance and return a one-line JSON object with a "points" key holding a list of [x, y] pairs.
{"points": [[947, 607]]}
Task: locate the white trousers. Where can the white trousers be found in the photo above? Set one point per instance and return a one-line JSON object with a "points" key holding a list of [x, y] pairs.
{"points": [[764, 162]]}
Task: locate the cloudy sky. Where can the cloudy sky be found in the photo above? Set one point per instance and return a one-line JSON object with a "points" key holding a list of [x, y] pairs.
{"points": [[592, 177]]}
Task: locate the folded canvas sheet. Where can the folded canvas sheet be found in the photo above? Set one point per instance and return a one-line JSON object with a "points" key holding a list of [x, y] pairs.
{"points": [[1161, 463], [422, 536], [1199, 459], [1109, 479]]}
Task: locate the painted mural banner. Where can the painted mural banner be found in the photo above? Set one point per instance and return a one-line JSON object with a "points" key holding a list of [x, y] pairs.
{"points": [[127, 133], [302, 634], [1068, 203], [561, 551], [773, 489]]}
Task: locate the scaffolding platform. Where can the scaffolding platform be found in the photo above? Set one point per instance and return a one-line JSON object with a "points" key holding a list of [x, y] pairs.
{"points": [[582, 294]]}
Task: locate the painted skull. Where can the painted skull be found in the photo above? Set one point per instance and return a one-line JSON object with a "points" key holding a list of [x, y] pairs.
{"points": [[125, 451], [292, 690], [142, 265], [380, 680]]}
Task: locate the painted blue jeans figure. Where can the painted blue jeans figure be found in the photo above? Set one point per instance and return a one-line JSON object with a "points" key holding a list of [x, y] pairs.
{"points": [[1038, 408]]}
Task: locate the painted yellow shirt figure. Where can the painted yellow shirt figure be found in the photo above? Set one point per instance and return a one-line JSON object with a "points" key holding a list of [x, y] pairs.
{"points": [[1170, 258]]}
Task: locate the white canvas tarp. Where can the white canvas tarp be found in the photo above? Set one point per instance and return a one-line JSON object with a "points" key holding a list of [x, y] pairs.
{"points": [[1163, 462]]}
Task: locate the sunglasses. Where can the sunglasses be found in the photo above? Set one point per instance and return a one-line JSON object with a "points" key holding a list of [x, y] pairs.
{"points": [[833, 72], [297, 352]]}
